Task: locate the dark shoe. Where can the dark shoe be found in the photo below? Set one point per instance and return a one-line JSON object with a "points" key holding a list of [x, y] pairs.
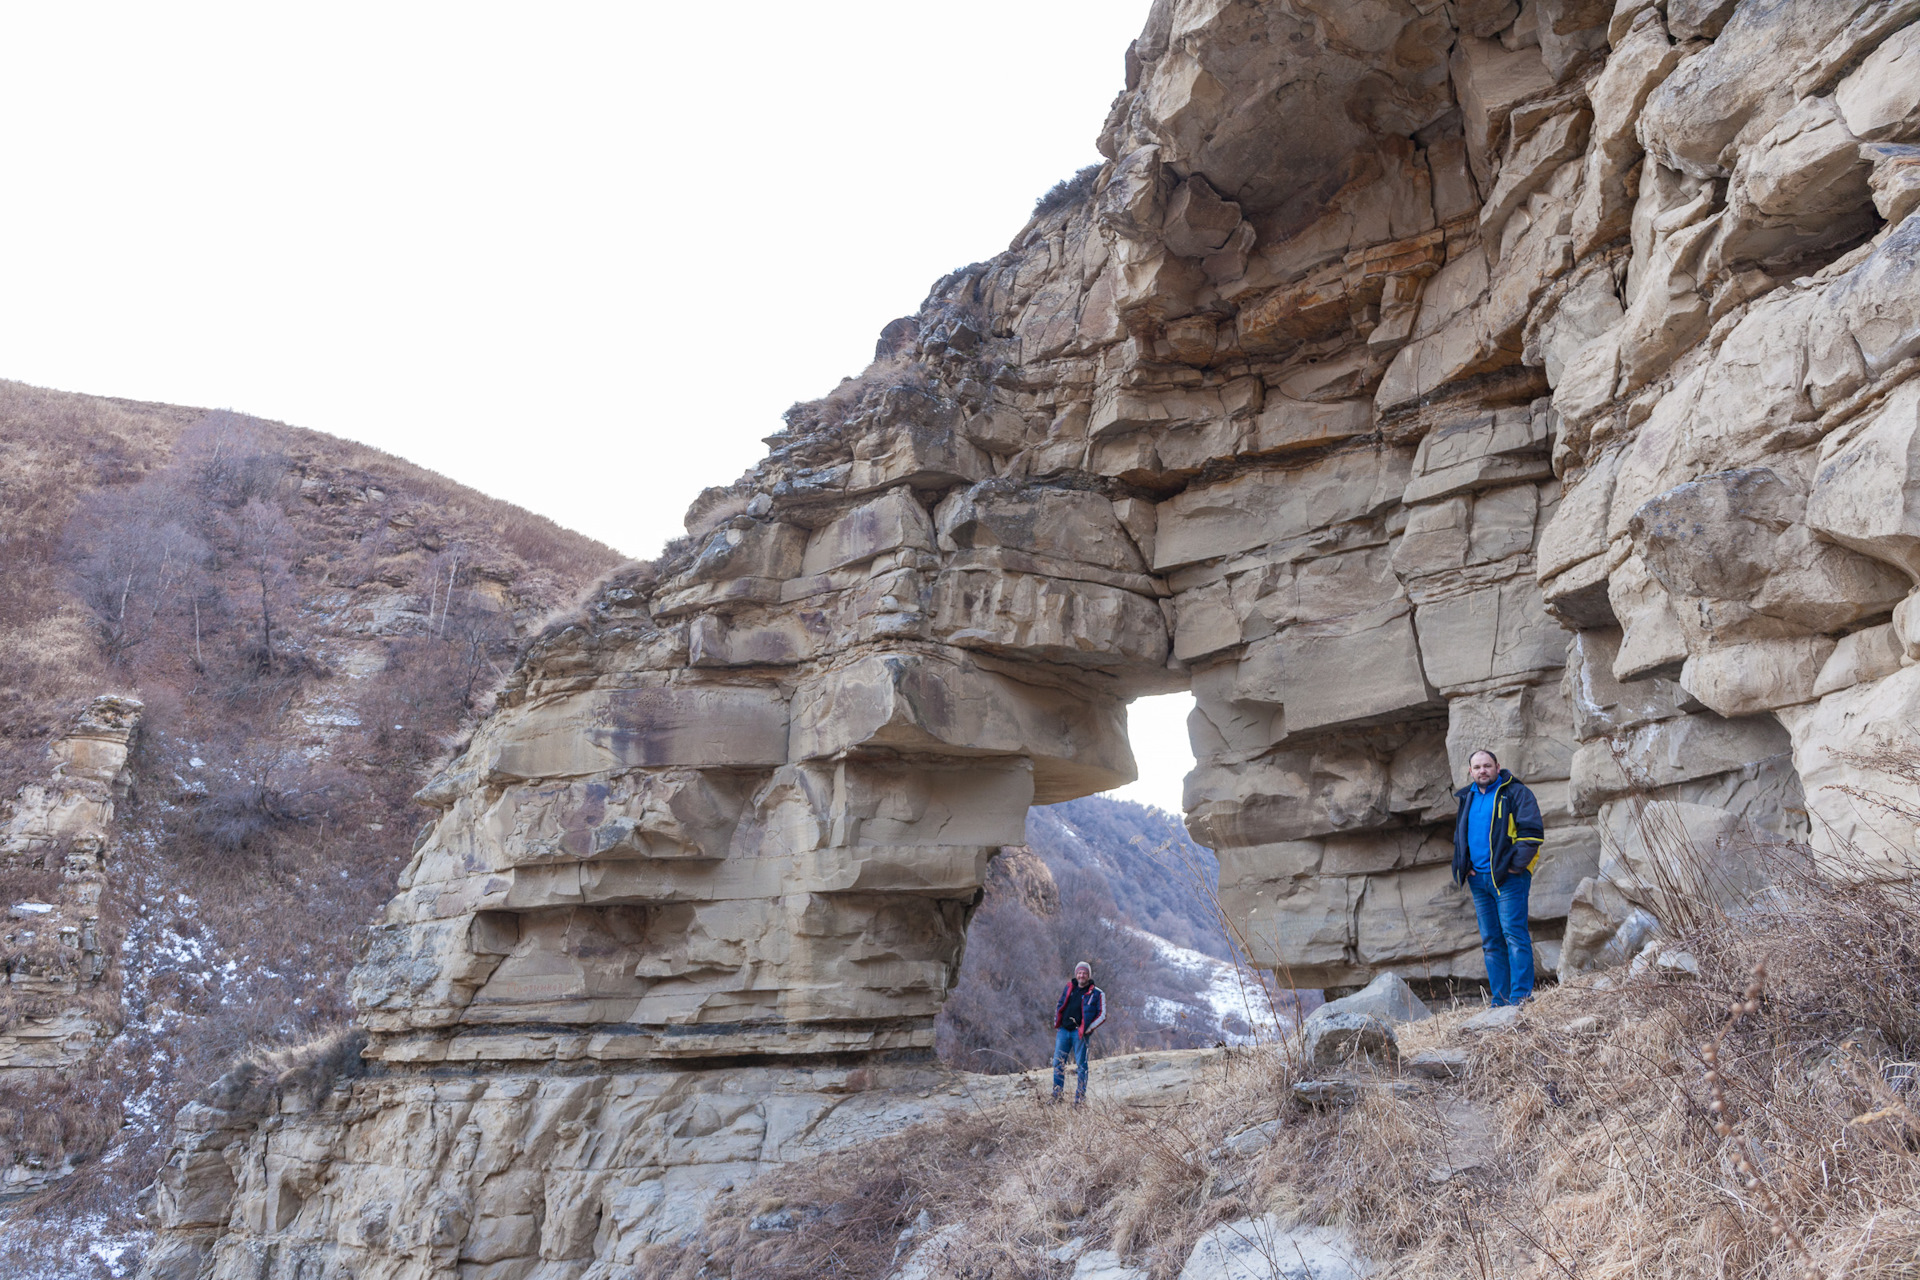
{"points": [[1056, 1097]]}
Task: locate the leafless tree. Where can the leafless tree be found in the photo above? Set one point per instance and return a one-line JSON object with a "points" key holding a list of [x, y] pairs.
{"points": [[134, 560], [230, 460], [262, 542]]}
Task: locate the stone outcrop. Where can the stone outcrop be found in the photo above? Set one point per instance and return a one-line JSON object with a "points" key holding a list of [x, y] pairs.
{"points": [[461, 1174], [1410, 378], [60, 1001]]}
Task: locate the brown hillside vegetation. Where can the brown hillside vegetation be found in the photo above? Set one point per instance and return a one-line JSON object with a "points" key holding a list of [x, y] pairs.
{"points": [[1092, 868], [62, 452], [310, 624], [1756, 1121]]}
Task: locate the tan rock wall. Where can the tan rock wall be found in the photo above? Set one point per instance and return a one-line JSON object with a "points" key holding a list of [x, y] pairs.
{"points": [[61, 1000]]}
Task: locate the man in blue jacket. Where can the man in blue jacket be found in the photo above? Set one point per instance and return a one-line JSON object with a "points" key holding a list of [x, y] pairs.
{"points": [[1497, 839], [1082, 1008]]}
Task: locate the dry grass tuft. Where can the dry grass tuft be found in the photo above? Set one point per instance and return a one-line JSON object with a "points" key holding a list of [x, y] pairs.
{"points": [[259, 1082]]}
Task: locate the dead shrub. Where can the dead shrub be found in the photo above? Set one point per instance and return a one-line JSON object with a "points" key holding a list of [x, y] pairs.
{"points": [[59, 1117], [1067, 192], [258, 1083]]}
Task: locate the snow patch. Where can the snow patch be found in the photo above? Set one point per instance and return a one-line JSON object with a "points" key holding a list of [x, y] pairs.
{"points": [[1229, 992]]}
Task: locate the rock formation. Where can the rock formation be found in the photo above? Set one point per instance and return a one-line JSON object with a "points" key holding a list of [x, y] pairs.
{"points": [[60, 1001], [1411, 377]]}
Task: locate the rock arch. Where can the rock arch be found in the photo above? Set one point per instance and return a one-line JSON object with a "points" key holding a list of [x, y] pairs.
{"points": [[745, 806]]}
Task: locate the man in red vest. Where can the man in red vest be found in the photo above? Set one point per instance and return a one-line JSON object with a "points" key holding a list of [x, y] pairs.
{"points": [[1082, 1008]]}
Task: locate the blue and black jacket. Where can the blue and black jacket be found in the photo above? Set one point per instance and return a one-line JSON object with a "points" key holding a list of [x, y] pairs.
{"points": [[1517, 833], [1093, 1008]]}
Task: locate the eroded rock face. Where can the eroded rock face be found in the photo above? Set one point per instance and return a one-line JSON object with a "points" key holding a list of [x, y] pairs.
{"points": [[523, 1172], [61, 999], [1410, 379]]}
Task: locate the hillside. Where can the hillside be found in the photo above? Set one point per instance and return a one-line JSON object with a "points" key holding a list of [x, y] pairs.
{"points": [[292, 629]]}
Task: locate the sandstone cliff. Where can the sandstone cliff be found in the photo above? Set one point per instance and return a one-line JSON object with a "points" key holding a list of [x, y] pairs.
{"points": [[1411, 377], [57, 1009]]}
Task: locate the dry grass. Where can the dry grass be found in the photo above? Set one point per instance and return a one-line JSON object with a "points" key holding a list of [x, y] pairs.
{"points": [[260, 1080], [1024, 1178], [845, 402]]}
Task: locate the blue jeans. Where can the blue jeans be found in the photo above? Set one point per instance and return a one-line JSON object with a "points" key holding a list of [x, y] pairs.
{"points": [[1504, 938], [1069, 1043]]}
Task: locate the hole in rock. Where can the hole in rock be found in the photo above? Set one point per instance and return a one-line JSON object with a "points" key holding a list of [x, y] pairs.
{"points": [[1157, 730]]}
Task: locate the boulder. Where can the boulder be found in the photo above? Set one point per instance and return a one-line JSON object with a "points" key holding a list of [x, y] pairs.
{"points": [[1760, 675], [1866, 490], [1262, 1249], [1343, 671], [1387, 997], [1846, 786], [1105, 1264], [1880, 99], [1859, 658], [1493, 1019], [1252, 510], [1248, 1141], [1338, 1040], [1438, 1064]]}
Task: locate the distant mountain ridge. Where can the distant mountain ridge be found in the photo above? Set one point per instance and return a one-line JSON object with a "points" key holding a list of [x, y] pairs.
{"points": [[1162, 881]]}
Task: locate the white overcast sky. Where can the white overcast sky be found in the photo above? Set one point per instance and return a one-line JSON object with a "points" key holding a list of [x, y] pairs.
{"points": [[578, 256]]}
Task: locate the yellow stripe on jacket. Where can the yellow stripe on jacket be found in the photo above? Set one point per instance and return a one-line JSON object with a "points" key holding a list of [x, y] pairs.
{"points": [[1513, 834]]}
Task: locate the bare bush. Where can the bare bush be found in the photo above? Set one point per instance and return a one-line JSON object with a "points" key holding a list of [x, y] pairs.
{"points": [[1067, 192], [262, 543], [270, 786], [134, 564], [232, 460]]}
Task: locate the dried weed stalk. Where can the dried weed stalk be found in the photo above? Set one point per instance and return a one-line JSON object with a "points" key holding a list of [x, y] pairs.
{"points": [[1726, 1123]]}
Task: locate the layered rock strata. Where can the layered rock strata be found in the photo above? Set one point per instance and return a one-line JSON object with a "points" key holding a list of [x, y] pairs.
{"points": [[61, 1000], [1410, 378], [489, 1175]]}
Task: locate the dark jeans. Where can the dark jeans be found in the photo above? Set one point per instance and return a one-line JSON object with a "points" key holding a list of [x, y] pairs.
{"points": [[1069, 1043], [1504, 938]]}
